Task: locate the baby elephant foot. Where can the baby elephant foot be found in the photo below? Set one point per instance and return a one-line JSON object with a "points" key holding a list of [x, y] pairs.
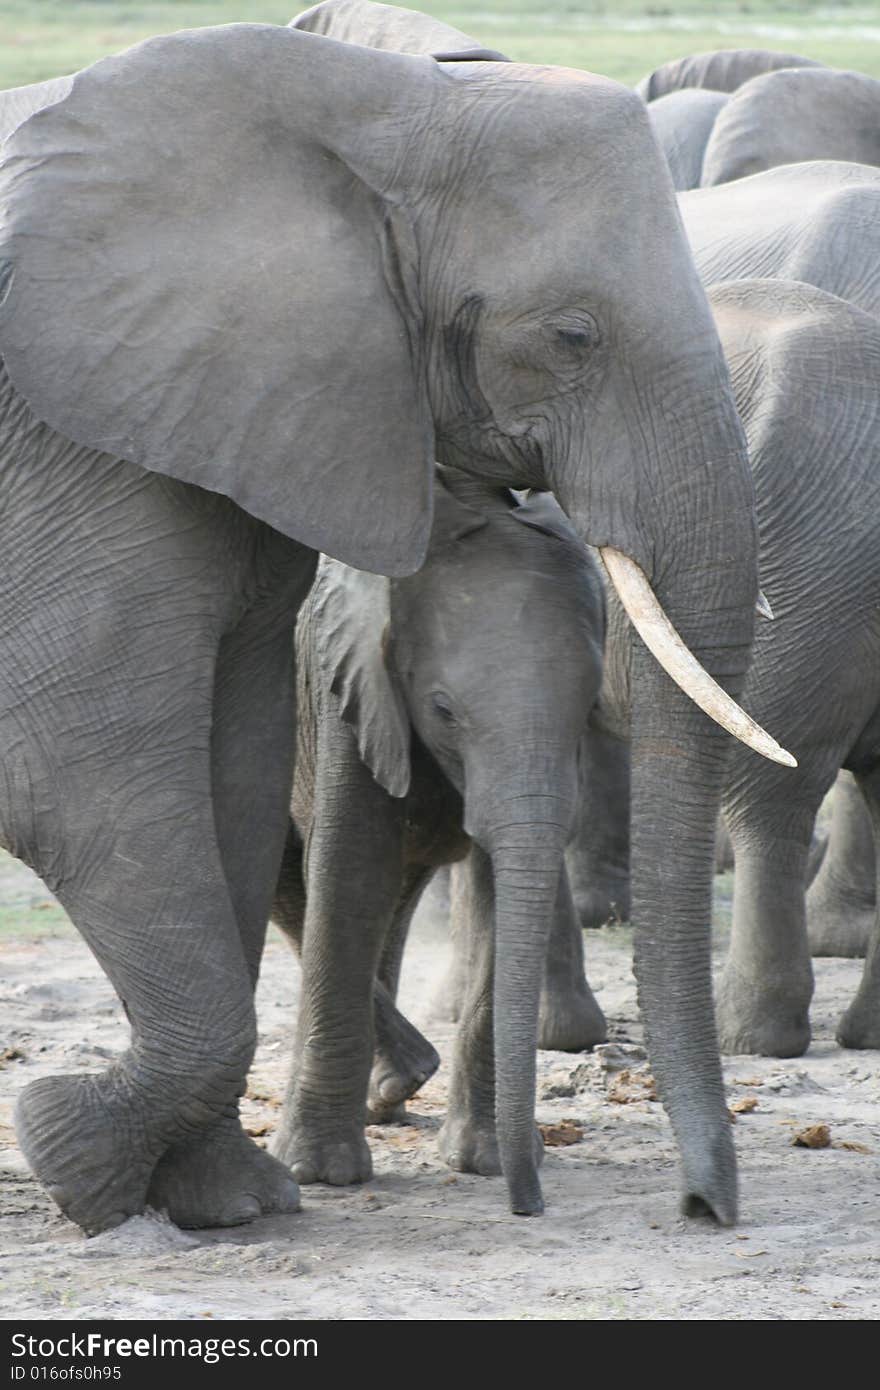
{"points": [[76, 1134], [221, 1179], [570, 1020], [767, 1023], [403, 1062]]}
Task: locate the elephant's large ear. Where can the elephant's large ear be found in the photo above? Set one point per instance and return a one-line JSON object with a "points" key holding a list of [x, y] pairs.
{"points": [[352, 611], [395, 29], [208, 269]]}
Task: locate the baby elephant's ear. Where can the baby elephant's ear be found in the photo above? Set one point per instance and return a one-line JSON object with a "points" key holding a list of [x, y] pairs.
{"points": [[206, 270], [351, 613], [541, 511]]}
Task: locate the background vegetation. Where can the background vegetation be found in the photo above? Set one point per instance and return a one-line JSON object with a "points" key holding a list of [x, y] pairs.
{"points": [[622, 38]]}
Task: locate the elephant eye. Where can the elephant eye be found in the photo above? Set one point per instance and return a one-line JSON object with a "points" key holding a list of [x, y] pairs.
{"points": [[442, 707], [577, 336]]}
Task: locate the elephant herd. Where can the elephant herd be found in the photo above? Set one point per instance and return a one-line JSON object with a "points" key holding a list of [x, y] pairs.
{"points": [[355, 322]]}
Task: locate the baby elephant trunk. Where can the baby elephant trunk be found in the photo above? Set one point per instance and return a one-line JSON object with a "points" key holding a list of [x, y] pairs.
{"points": [[527, 859]]}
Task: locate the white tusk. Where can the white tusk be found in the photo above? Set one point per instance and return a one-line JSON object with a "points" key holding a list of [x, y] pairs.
{"points": [[762, 607], [661, 639]]}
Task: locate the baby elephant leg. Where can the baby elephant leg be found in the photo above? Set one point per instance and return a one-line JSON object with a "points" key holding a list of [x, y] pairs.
{"points": [[468, 1140]]}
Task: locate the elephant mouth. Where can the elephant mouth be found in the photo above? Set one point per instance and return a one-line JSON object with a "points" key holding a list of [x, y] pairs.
{"points": [[660, 637]]}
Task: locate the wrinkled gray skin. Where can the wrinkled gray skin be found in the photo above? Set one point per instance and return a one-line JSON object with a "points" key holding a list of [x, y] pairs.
{"points": [[683, 122], [719, 70], [842, 899], [792, 115], [818, 222], [420, 261], [433, 707], [805, 366]]}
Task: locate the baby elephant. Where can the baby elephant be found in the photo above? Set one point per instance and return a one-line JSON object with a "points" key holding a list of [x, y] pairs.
{"points": [[440, 716]]}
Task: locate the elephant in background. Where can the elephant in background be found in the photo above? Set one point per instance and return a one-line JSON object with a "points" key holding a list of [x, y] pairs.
{"points": [[818, 222], [791, 115], [842, 898], [393, 29], [202, 392], [718, 70], [805, 366], [439, 714], [683, 121], [17, 103]]}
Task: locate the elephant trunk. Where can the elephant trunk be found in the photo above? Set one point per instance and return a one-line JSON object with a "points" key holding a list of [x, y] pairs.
{"points": [[679, 757], [698, 549], [527, 859]]}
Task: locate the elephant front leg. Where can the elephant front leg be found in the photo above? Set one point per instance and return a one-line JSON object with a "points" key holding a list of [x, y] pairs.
{"points": [[353, 873], [468, 1140], [221, 1177], [157, 914]]}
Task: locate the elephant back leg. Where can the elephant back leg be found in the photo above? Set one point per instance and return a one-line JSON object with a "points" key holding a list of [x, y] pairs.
{"points": [[570, 1019], [841, 900], [403, 1058], [860, 1025]]}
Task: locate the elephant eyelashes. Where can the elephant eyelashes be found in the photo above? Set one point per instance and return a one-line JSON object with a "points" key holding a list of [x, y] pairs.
{"points": [[576, 338]]}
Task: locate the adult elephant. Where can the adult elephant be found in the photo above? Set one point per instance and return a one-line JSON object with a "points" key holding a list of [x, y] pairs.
{"points": [[433, 709], [818, 222], [683, 121], [251, 279], [805, 367], [792, 115], [718, 70]]}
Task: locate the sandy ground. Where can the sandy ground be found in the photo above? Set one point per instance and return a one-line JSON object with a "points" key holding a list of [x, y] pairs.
{"points": [[420, 1242]]}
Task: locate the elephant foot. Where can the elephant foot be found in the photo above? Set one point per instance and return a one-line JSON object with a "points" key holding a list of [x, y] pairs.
{"points": [[341, 1161], [470, 1146], [840, 933], [402, 1063], [761, 1022], [570, 1020], [221, 1179], [860, 1025], [76, 1134]]}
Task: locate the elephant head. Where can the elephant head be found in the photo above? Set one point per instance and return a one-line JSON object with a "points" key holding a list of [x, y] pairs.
{"points": [[296, 271]]}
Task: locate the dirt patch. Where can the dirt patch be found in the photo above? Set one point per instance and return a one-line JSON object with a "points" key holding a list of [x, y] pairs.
{"points": [[420, 1242]]}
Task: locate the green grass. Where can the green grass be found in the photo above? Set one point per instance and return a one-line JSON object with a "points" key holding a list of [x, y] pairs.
{"points": [[622, 38]]}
